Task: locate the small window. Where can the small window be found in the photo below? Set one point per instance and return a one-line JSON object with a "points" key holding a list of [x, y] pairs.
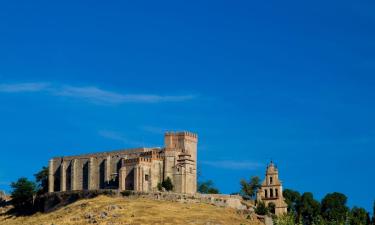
{"points": [[277, 192], [271, 180], [265, 193], [146, 177], [271, 193]]}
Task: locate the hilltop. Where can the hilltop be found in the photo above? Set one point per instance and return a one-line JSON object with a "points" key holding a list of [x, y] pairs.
{"points": [[118, 210]]}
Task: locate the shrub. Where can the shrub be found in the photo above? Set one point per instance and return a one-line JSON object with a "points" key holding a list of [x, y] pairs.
{"points": [[160, 186], [167, 184], [261, 209], [207, 187], [23, 192]]}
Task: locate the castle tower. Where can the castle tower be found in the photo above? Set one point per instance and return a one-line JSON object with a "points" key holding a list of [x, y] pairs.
{"points": [[180, 160], [271, 191]]}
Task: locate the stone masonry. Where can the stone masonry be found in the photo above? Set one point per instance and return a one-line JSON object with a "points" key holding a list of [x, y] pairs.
{"points": [[271, 191], [138, 169]]}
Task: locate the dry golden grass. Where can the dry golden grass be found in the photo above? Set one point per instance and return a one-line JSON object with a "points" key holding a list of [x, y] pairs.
{"points": [[116, 210]]}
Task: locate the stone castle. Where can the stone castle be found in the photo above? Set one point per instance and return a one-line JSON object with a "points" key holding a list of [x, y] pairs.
{"points": [[139, 169], [271, 191]]}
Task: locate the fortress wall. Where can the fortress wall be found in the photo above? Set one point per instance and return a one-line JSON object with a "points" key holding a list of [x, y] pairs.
{"points": [[141, 168], [90, 171]]}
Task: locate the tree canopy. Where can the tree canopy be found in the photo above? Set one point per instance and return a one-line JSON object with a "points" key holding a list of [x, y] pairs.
{"points": [[23, 192], [292, 198], [334, 209], [308, 208], [167, 184], [358, 216], [249, 189], [207, 187], [41, 179]]}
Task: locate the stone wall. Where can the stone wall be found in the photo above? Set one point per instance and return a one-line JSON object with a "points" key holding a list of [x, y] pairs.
{"points": [[140, 169]]}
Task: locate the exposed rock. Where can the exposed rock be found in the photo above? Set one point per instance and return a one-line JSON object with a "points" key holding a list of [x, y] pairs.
{"points": [[113, 207], [103, 215], [89, 215]]}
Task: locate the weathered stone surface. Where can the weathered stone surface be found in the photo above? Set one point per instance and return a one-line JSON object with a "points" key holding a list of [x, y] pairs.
{"points": [[271, 190], [139, 169]]}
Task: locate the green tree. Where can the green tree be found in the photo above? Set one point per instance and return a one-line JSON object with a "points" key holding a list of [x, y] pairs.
{"points": [[286, 219], [334, 209], [261, 209], [249, 189], [292, 198], [41, 179], [167, 184], [23, 192], [358, 216], [272, 207], [308, 208], [207, 187]]}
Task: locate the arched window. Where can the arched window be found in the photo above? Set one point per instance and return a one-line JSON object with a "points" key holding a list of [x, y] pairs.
{"points": [[271, 192], [265, 193], [277, 192], [271, 180]]}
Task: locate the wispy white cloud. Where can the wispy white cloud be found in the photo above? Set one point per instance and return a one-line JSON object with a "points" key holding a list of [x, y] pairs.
{"points": [[91, 93], [102, 96], [117, 136], [234, 165], [24, 87]]}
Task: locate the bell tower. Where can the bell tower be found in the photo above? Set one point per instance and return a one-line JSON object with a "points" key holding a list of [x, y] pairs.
{"points": [[271, 191]]}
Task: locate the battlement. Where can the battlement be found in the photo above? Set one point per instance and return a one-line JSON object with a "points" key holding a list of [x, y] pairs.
{"points": [[138, 160], [154, 154], [182, 134], [139, 169]]}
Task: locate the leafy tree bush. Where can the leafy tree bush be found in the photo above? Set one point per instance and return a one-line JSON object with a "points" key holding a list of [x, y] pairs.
{"points": [[23, 192], [272, 207], [261, 209], [41, 179], [292, 198], [167, 184], [286, 219], [334, 209], [358, 216], [207, 187], [249, 189], [160, 186], [308, 209]]}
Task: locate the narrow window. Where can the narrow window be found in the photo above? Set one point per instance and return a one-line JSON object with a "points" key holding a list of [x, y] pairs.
{"points": [[277, 192], [270, 180], [271, 193], [146, 177], [265, 193]]}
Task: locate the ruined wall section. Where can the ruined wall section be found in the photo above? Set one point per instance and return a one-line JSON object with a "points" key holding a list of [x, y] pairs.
{"points": [[89, 171]]}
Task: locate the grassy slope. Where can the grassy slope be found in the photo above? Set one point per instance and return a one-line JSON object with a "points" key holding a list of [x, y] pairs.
{"points": [[107, 210]]}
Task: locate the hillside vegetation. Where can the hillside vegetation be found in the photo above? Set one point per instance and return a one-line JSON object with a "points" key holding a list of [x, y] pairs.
{"points": [[117, 210]]}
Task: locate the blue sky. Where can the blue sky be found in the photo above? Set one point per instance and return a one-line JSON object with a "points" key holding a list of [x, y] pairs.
{"points": [[291, 81]]}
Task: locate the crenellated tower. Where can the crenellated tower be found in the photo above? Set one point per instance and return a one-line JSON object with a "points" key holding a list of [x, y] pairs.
{"points": [[180, 160]]}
